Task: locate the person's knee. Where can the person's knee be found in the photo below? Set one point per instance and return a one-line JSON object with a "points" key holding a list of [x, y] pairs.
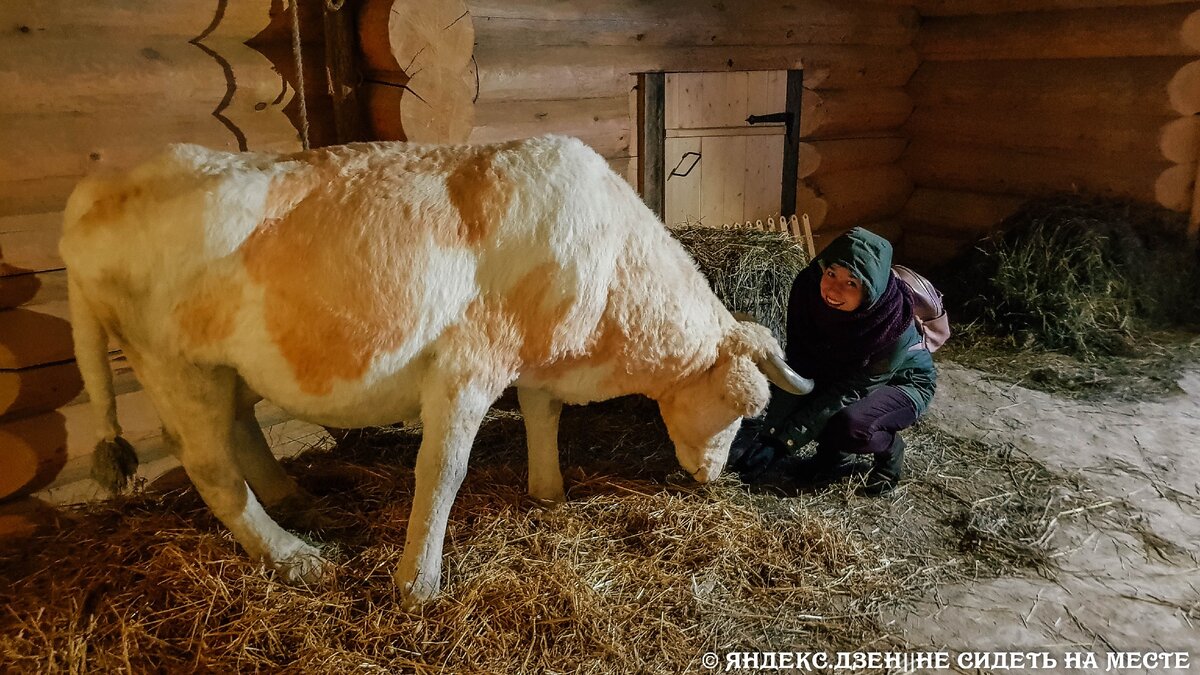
{"points": [[851, 424]]}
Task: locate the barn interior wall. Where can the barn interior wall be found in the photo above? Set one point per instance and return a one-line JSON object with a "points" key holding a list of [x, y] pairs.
{"points": [[97, 86], [927, 120], [1020, 98], [569, 67]]}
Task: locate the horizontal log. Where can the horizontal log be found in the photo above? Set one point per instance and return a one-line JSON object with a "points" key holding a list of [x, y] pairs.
{"points": [[35, 450], [509, 73], [51, 145], [965, 7], [26, 517], [29, 243], [809, 203], [413, 35], [602, 123], [33, 196], [1175, 187], [121, 19], [891, 229], [18, 286], [1170, 136], [954, 211], [1071, 34], [1183, 89], [382, 110], [888, 228], [997, 170], [31, 338], [851, 112], [821, 157], [856, 196], [38, 334], [438, 106], [923, 250], [1120, 86], [662, 23], [388, 108], [36, 390], [32, 288], [82, 74]]}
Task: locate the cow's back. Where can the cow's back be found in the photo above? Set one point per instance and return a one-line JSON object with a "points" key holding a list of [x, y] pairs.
{"points": [[320, 273]]}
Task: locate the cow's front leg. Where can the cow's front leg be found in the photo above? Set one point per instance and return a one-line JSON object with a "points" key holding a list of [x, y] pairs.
{"points": [[541, 412], [451, 416]]}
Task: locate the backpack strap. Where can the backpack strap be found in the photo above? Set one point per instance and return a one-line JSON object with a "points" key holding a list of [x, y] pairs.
{"points": [[928, 307]]}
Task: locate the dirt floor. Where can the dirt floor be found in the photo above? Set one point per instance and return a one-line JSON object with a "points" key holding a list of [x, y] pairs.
{"points": [[1127, 574]]}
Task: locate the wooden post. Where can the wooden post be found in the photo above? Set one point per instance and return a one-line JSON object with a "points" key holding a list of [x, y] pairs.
{"points": [[791, 144], [341, 70], [652, 140]]}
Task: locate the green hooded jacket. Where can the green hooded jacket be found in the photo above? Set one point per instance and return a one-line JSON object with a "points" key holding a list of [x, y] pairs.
{"points": [[796, 420]]}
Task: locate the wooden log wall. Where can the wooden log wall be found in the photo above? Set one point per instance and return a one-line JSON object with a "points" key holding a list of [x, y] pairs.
{"points": [[1018, 98], [569, 67], [94, 86]]}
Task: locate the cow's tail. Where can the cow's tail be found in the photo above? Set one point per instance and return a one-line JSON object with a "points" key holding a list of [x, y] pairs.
{"points": [[113, 461]]}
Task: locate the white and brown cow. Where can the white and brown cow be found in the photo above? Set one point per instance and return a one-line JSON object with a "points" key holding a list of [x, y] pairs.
{"points": [[373, 283]]}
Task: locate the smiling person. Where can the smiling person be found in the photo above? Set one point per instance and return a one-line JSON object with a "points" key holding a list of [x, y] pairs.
{"points": [[850, 327]]}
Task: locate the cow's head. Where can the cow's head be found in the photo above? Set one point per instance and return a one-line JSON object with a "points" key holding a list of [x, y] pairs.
{"points": [[704, 411]]}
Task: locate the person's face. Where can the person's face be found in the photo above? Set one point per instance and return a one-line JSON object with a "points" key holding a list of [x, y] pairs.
{"points": [[840, 289]]}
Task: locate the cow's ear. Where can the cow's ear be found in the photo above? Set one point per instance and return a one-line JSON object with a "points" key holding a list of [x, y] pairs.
{"points": [[747, 338], [743, 386], [756, 342]]}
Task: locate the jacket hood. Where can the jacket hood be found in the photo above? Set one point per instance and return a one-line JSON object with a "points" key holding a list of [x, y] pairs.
{"points": [[867, 255]]}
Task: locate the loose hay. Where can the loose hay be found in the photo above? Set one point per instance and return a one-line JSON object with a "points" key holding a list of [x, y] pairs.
{"points": [[1084, 276], [1152, 373], [640, 572], [750, 271]]}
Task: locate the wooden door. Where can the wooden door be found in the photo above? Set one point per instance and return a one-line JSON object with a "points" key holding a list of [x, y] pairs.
{"points": [[717, 167]]}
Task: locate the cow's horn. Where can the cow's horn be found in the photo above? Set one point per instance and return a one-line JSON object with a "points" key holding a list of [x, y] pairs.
{"points": [[782, 375]]}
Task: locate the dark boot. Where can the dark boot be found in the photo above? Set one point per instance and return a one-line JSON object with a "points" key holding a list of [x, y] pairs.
{"points": [[884, 475]]}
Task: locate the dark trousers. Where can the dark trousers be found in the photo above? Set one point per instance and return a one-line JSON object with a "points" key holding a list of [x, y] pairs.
{"points": [[868, 425]]}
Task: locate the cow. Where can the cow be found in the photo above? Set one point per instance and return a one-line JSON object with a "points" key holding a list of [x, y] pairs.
{"points": [[374, 283]]}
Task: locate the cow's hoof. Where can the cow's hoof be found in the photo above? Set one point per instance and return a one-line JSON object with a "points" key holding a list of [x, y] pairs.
{"points": [[414, 594], [304, 567]]}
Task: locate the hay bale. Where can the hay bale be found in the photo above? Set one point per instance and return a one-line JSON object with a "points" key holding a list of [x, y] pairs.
{"points": [[750, 271], [1081, 275]]}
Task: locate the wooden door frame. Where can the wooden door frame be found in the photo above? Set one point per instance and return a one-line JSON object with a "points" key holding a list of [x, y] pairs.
{"points": [[652, 141]]}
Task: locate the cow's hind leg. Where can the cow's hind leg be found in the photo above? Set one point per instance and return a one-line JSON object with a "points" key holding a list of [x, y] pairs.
{"points": [[452, 409], [541, 412], [278, 492], [199, 405]]}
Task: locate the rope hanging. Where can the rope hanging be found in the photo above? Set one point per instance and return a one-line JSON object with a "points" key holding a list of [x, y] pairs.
{"points": [[299, 73]]}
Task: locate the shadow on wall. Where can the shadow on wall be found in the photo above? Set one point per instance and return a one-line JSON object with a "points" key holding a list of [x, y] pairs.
{"points": [[37, 375]]}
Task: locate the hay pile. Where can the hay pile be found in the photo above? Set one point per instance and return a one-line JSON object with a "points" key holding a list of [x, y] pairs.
{"points": [[750, 271], [1084, 276], [640, 572]]}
